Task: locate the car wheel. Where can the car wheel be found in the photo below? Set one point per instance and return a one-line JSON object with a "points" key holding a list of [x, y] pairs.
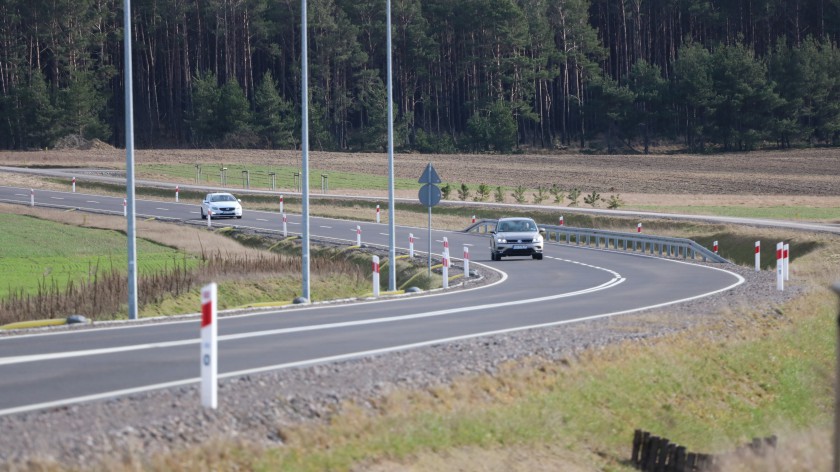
{"points": [[537, 256], [238, 217], [203, 216]]}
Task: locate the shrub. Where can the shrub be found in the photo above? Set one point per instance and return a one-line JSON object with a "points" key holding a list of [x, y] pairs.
{"points": [[445, 191], [463, 192], [518, 194], [483, 193], [540, 196], [499, 195], [574, 194], [557, 193], [592, 199], [614, 202]]}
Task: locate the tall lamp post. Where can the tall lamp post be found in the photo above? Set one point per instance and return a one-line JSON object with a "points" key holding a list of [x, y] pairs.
{"points": [[392, 255], [129, 166], [304, 147]]}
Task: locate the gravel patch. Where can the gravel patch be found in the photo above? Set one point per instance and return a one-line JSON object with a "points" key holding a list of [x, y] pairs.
{"points": [[257, 408]]}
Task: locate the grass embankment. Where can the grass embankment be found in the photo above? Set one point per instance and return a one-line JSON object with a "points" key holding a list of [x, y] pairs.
{"points": [[48, 280], [37, 253], [773, 212]]}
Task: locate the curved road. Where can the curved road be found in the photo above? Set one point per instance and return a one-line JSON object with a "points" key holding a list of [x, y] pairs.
{"points": [[571, 284]]}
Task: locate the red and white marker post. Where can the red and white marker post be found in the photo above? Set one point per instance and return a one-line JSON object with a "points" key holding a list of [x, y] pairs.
{"points": [[466, 262], [358, 236], [445, 265], [639, 228], [411, 245], [125, 207], [376, 276], [377, 213], [281, 203], [209, 347], [560, 222], [285, 227], [715, 247], [74, 184], [177, 191], [780, 269], [32, 197], [758, 256], [786, 256], [473, 219]]}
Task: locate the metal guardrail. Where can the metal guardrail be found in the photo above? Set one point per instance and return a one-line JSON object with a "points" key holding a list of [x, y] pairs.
{"points": [[663, 246]]}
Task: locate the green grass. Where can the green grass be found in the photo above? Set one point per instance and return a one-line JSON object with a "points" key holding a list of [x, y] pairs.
{"points": [[707, 395], [34, 251], [260, 179], [774, 212]]}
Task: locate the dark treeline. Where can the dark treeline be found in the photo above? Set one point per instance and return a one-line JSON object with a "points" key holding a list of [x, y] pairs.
{"points": [[480, 75]]}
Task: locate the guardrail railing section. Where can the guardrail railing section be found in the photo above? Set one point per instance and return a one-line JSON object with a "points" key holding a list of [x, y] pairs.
{"points": [[662, 246]]}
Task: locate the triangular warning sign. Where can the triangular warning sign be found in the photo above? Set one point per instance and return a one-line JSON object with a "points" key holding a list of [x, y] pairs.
{"points": [[429, 176]]}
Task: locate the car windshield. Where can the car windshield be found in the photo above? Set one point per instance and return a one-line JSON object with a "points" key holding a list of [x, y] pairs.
{"points": [[221, 198], [517, 225]]}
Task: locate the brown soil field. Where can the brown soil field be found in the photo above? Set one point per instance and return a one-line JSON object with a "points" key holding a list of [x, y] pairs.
{"points": [[787, 178]]}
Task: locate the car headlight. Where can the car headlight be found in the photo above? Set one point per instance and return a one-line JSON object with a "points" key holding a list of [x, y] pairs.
{"points": [[538, 238], [501, 240]]}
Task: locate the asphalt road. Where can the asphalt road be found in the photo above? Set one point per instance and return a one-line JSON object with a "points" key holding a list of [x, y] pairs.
{"points": [[571, 284]]}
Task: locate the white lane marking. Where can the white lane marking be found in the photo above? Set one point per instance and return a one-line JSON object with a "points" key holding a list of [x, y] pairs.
{"points": [[358, 354], [194, 212], [345, 324], [325, 227], [91, 201], [162, 209], [292, 223], [384, 234], [57, 198], [261, 219], [21, 195]]}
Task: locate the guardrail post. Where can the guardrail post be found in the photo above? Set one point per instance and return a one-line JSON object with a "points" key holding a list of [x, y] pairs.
{"points": [[273, 176], [325, 183], [197, 173]]}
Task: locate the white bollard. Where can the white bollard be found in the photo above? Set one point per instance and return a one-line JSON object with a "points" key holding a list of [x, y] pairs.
{"points": [[639, 228], [411, 245], [786, 256], [377, 213], [466, 262], [780, 262], [376, 276], [445, 269], [358, 236], [715, 247], [561, 221], [74, 184], [758, 256], [125, 207], [209, 218], [209, 347], [32, 197], [285, 228], [281, 203], [177, 190]]}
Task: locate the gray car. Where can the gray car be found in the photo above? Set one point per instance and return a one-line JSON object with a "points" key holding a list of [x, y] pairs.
{"points": [[516, 237]]}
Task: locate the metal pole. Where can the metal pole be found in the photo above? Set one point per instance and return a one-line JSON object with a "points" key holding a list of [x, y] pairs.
{"points": [[129, 165], [304, 146], [430, 232], [836, 288], [392, 253]]}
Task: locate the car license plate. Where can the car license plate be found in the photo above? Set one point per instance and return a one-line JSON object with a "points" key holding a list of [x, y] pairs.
{"points": [[520, 247]]}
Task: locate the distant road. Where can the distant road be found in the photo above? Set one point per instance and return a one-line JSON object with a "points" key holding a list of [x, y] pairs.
{"points": [[119, 178]]}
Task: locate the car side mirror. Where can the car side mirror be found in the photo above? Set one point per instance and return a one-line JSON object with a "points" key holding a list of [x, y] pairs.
{"points": [[238, 200], [492, 231], [542, 230]]}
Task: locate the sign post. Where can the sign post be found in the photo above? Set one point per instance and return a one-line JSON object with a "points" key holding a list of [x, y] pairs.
{"points": [[209, 347], [429, 196]]}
